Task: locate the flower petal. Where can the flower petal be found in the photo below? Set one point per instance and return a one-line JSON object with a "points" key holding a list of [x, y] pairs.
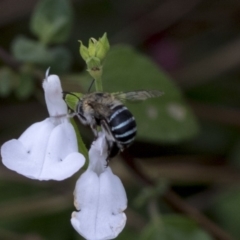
{"points": [[44, 151], [101, 201], [98, 154], [62, 159], [53, 96], [16, 158], [26, 155]]}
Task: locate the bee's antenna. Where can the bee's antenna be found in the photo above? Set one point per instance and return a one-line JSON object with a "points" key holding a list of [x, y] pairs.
{"points": [[91, 85]]}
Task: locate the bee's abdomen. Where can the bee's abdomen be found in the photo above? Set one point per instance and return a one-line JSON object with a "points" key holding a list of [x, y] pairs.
{"points": [[123, 125]]}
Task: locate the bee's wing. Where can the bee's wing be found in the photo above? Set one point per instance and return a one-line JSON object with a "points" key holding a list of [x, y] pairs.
{"points": [[137, 95]]}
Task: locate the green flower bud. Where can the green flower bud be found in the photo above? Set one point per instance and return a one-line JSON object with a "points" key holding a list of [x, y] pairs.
{"points": [[83, 51], [102, 47], [92, 47], [93, 63], [94, 67], [95, 48]]}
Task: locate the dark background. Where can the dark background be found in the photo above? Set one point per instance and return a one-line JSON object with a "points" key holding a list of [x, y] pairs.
{"points": [[197, 43]]}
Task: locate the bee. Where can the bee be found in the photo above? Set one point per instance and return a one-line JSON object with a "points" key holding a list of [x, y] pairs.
{"points": [[106, 110]]}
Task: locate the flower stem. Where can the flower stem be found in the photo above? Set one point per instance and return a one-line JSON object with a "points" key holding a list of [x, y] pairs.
{"points": [[98, 84], [81, 146]]}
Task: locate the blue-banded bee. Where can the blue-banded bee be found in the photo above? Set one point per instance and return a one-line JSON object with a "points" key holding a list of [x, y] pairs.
{"points": [[107, 111]]}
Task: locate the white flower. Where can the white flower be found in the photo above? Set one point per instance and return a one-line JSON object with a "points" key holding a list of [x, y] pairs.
{"points": [[99, 197], [47, 149]]}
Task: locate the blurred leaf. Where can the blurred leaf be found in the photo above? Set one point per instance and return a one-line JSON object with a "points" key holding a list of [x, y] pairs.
{"points": [[7, 78], [226, 210], [21, 190], [148, 193], [234, 157], [30, 51], [127, 233], [26, 86], [174, 227], [51, 226], [52, 21], [60, 60], [166, 118]]}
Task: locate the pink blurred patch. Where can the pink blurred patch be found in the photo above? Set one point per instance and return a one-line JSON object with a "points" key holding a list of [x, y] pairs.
{"points": [[165, 52]]}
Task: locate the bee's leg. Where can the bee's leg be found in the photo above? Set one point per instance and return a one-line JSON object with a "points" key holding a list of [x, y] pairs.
{"points": [[94, 130], [108, 150], [109, 139], [113, 150]]}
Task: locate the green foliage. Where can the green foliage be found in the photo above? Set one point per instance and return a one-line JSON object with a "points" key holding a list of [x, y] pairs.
{"points": [[52, 21], [26, 86], [21, 84], [7, 80], [235, 154], [174, 227], [226, 210], [149, 193], [167, 118], [29, 51]]}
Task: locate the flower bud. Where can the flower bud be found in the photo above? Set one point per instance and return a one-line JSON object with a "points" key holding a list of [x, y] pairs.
{"points": [[96, 48], [102, 47], [83, 51], [92, 47], [93, 63]]}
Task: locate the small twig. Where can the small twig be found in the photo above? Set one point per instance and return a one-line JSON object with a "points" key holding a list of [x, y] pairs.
{"points": [[185, 172], [179, 204]]}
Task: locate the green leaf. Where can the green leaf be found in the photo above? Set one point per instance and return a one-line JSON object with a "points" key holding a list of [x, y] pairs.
{"points": [[226, 211], [167, 118], [26, 86], [52, 20], [174, 227], [30, 51], [7, 78]]}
